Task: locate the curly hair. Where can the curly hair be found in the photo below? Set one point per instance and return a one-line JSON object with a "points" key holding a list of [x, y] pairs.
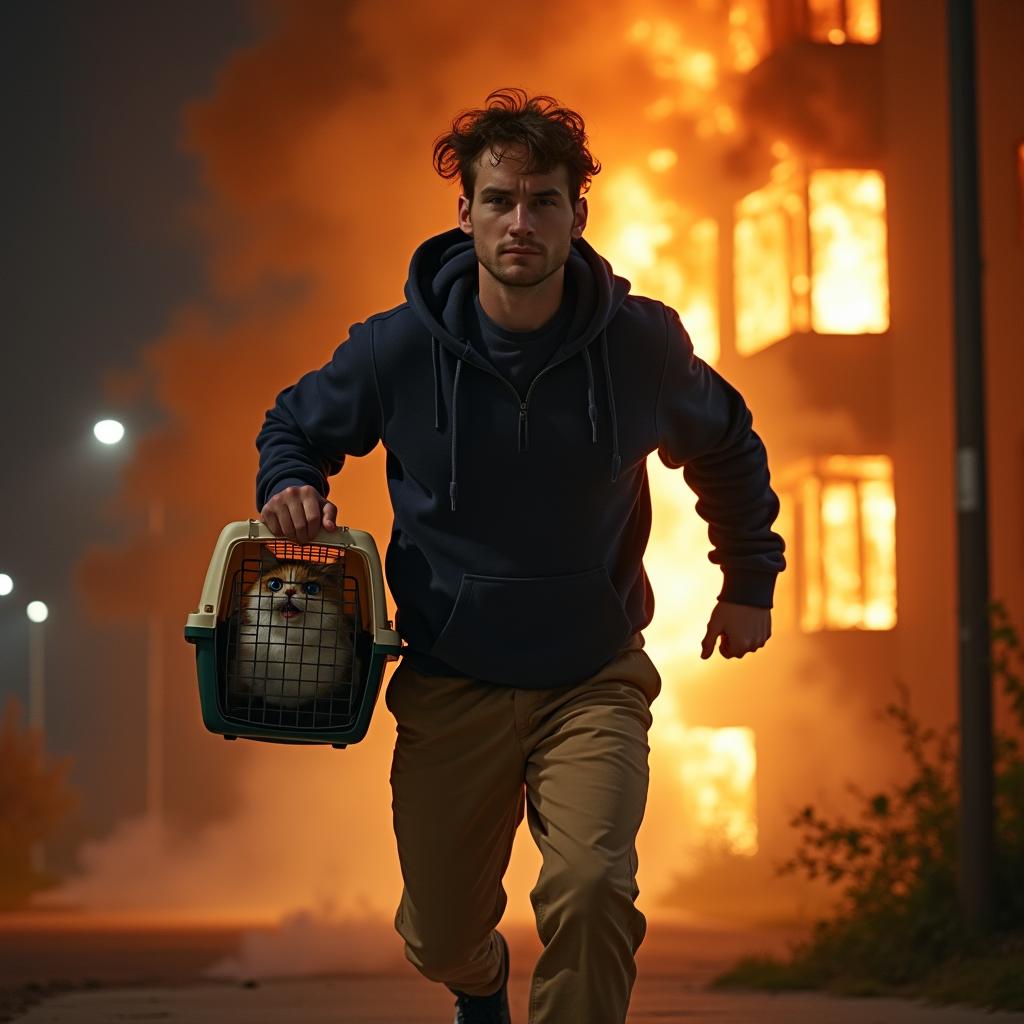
{"points": [[552, 135]]}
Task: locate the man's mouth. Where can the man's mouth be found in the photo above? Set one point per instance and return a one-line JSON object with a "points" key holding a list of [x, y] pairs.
{"points": [[524, 252]]}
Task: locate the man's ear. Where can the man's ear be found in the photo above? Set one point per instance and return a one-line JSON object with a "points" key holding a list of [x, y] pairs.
{"points": [[465, 217], [580, 221]]}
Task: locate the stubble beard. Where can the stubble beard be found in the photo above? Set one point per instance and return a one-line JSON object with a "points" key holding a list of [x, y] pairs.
{"points": [[510, 280]]}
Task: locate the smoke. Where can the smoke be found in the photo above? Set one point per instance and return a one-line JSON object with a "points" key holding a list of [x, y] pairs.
{"points": [[314, 152]]}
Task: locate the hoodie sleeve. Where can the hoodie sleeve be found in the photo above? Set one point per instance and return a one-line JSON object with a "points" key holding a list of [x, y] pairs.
{"points": [[330, 413], [704, 425]]}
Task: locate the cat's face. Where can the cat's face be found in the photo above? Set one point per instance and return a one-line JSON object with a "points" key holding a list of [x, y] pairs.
{"points": [[291, 593]]}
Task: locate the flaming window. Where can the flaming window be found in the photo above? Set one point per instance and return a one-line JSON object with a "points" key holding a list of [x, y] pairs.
{"points": [[842, 515], [756, 27], [717, 768], [841, 21], [810, 254]]}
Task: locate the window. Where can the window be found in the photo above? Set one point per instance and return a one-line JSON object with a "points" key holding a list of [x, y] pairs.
{"points": [[757, 27], [842, 516], [810, 254], [717, 769]]}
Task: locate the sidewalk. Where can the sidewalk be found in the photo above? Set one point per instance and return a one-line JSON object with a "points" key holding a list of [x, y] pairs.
{"points": [[386, 1000], [128, 970]]}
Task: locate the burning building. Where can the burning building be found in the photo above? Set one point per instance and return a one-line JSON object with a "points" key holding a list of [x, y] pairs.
{"points": [[778, 172], [834, 312]]}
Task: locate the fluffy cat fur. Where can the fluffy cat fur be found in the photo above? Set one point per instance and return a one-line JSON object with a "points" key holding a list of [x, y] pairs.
{"points": [[294, 636]]}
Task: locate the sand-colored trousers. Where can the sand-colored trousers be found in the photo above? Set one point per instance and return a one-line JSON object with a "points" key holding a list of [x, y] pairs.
{"points": [[470, 759]]}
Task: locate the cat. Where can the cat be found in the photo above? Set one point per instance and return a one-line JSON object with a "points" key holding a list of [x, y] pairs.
{"points": [[294, 635]]}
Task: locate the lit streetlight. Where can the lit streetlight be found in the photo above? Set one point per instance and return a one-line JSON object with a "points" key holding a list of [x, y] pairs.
{"points": [[111, 432], [37, 613], [108, 431]]}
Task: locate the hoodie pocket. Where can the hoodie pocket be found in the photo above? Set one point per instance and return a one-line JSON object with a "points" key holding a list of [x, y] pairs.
{"points": [[534, 632]]}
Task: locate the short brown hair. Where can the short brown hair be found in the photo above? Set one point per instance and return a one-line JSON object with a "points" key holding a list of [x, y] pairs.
{"points": [[552, 135]]}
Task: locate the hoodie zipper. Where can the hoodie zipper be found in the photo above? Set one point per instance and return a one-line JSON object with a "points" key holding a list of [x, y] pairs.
{"points": [[523, 436]]}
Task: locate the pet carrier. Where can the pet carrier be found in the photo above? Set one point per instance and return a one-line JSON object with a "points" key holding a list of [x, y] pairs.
{"points": [[291, 639]]}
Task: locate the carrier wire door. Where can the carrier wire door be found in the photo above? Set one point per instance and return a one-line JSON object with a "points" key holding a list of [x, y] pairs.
{"points": [[291, 639]]}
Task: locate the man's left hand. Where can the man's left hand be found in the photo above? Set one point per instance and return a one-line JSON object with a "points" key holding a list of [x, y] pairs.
{"points": [[742, 627]]}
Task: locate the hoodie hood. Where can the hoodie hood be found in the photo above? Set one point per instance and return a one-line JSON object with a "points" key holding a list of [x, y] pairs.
{"points": [[442, 277]]}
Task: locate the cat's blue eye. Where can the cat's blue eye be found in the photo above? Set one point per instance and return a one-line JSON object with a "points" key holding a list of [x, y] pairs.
{"points": [[311, 588], [274, 584]]}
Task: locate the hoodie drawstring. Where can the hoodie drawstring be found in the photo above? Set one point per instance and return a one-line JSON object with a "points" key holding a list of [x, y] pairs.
{"points": [[437, 382], [591, 404], [453, 487], [591, 407], [616, 458]]}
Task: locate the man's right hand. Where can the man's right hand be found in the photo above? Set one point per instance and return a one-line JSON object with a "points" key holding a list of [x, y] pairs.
{"points": [[297, 513]]}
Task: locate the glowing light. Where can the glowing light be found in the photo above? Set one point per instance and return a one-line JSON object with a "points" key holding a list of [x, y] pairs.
{"points": [[749, 40], [838, 284], [663, 250], [691, 75], [661, 108], [108, 431], [836, 22], [37, 611], [6, 584], [863, 21], [767, 258], [878, 516], [847, 540], [717, 770], [850, 290], [725, 119], [662, 159], [713, 792]]}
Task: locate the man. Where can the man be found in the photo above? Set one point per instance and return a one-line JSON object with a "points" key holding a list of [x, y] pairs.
{"points": [[518, 392]]}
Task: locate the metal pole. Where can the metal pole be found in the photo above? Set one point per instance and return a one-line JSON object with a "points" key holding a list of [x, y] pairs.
{"points": [[976, 834], [155, 687], [37, 713]]}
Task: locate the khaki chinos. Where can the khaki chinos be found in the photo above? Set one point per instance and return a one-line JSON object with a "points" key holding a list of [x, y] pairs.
{"points": [[470, 758]]}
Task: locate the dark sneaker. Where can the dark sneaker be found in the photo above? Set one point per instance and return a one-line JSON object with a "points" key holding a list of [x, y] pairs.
{"points": [[491, 1009]]}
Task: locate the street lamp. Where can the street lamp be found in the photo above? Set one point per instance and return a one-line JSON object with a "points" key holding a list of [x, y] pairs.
{"points": [[37, 613], [111, 432], [108, 431]]}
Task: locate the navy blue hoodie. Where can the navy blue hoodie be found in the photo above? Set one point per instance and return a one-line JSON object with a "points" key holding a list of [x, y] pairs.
{"points": [[520, 521]]}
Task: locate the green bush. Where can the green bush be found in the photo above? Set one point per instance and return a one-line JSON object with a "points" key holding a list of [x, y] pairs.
{"points": [[897, 924]]}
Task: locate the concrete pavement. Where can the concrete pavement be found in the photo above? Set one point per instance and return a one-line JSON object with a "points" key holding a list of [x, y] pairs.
{"points": [[410, 1000]]}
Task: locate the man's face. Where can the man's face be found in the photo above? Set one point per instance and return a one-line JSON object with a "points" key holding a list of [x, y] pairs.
{"points": [[512, 211]]}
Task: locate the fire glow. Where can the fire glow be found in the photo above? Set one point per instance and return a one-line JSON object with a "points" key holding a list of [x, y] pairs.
{"points": [[840, 514], [808, 256], [811, 255]]}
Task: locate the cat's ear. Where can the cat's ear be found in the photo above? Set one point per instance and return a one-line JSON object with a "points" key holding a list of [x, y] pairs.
{"points": [[268, 560], [334, 572]]}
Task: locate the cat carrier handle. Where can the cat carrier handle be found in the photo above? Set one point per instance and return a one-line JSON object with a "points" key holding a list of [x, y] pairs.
{"points": [[360, 542]]}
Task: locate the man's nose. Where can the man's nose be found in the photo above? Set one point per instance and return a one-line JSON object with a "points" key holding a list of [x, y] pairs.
{"points": [[521, 218]]}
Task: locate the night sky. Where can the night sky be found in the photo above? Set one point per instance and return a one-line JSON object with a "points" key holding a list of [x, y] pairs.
{"points": [[97, 255]]}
